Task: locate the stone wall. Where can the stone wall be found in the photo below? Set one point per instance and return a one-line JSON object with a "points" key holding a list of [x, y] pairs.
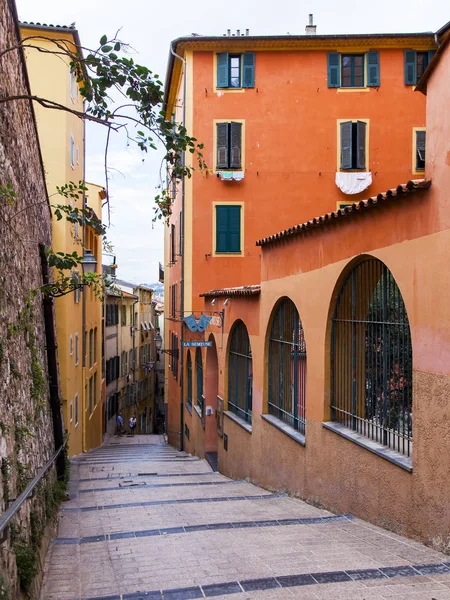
{"points": [[26, 422]]}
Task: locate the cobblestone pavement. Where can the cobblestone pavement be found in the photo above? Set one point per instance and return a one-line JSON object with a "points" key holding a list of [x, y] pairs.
{"points": [[148, 522]]}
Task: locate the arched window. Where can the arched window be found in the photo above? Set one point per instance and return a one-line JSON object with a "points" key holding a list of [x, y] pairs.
{"points": [[199, 365], [240, 373], [371, 358], [189, 378], [287, 367]]}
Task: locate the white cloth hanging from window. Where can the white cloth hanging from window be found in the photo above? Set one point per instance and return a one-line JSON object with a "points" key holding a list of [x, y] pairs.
{"points": [[231, 175], [353, 183]]}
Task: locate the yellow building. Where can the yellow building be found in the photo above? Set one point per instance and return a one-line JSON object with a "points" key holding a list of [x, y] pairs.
{"points": [[78, 314]]}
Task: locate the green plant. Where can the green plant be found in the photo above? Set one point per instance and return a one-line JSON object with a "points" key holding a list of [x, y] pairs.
{"points": [[26, 563], [5, 590], [6, 468], [14, 370], [23, 472]]}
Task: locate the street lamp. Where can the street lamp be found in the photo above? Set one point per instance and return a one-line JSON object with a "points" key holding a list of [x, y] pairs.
{"points": [[89, 262], [158, 343]]}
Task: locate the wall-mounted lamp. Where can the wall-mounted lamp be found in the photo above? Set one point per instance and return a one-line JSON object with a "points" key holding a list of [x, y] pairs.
{"points": [[158, 344]]}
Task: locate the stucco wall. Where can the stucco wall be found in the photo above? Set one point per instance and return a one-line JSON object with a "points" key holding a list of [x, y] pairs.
{"points": [[26, 428]]}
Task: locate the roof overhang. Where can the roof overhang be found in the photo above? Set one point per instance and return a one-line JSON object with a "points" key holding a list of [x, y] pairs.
{"points": [[245, 290], [353, 209]]}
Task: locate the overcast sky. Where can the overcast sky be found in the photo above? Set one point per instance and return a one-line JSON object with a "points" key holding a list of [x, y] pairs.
{"points": [[149, 27]]}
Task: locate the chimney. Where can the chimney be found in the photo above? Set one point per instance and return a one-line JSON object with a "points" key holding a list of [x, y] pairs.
{"points": [[238, 32], [310, 29], [228, 32], [247, 32]]}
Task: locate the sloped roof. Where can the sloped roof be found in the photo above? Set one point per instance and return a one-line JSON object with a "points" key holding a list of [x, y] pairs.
{"points": [[245, 290], [353, 209]]}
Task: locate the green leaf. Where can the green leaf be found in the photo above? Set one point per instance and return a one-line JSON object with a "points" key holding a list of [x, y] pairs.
{"points": [[106, 48], [103, 40], [116, 46]]}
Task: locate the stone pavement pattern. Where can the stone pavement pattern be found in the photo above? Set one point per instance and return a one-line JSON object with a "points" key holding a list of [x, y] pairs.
{"points": [[148, 522]]}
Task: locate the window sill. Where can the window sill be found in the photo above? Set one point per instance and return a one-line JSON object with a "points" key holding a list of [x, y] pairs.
{"points": [[238, 421], [286, 429], [189, 408], [392, 456], [353, 89], [198, 410]]}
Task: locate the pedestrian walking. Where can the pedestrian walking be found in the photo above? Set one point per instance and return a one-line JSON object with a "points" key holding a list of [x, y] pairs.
{"points": [[119, 424], [132, 424]]}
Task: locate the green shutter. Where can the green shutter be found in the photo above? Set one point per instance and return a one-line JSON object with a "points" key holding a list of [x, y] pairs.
{"points": [[360, 145], [222, 146], [228, 228], [346, 145], [248, 75], [373, 69], [410, 67], [234, 225], [334, 69], [236, 145], [222, 70], [420, 150], [431, 53]]}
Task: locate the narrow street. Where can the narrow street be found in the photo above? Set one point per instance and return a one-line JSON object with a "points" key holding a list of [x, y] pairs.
{"points": [[147, 521]]}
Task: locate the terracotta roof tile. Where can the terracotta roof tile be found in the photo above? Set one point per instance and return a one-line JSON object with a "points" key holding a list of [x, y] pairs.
{"points": [[355, 208], [245, 290]]}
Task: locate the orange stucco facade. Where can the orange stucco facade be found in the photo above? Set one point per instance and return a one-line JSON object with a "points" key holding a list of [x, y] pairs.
{"points": [[291, 159]]}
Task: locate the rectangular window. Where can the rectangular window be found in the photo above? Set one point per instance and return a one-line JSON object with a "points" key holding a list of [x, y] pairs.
{"points": [[131, 315], [75, 276], [95, 389], [91, 346], [353, 70], [76, 348], [353, 145], [416, 64], [123, 312], [228, 228], [71, 412], [236, 70], [72, 151], [95, 345], [172, 243], [420, 143], [72, 85], [76, 410], [70, 345], [91, 381], [229, 145]]}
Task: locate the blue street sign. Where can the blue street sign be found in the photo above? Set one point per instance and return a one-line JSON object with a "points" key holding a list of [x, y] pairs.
{"points": [[197, 344]]}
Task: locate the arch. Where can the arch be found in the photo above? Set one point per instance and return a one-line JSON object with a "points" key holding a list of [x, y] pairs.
{"points": [[286, 377], [240, 372], [189, 378], [371, 357], [199, 378]]}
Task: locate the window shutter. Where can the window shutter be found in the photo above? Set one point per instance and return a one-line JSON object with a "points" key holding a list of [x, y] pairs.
{"points": [[234, 228], [410, 67], [346, 145], [248, 78], [420, 150], [373, 69], [222, 228], [361, 145], [222, 70], [222, 146], [236, 145], [334, 69], [431, 53]]}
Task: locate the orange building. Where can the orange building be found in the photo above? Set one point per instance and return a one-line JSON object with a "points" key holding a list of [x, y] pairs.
{"points": [[331, 376], [285, 120]]}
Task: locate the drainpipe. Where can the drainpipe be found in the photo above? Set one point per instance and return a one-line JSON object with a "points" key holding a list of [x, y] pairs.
{"points": [[181, 351], [83, 326]]}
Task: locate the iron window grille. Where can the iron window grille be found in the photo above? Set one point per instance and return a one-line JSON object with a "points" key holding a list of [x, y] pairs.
{"points": [[240, 373], [420, 150], [371, 358], [199, 369], [287, 367]]}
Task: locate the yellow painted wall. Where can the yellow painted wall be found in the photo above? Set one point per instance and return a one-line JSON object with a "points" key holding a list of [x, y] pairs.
{"points": [[50, 78]]}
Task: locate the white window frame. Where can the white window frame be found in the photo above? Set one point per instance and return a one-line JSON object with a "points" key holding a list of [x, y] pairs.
{"points": [[72, 85], [77, 291], [76, 410], [71, 412], [76, 350], [72, 151]]}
